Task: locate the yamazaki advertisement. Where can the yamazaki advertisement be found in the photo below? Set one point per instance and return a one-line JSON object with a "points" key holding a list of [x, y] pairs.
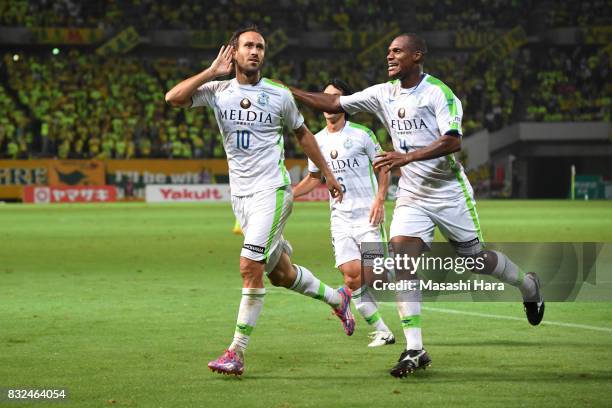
{"points": [[75, 194]]}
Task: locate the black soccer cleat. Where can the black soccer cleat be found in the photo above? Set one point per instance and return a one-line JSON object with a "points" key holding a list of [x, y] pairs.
{"points": [[409, 361], [534, 308]]}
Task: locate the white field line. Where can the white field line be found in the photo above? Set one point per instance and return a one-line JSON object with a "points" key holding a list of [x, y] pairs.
{"points": [[494, 316], [485, 315]]}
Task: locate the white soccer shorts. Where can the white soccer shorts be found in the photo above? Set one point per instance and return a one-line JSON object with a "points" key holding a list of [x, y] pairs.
{"points": [[347, 237], [262, 217], [457, 221]]}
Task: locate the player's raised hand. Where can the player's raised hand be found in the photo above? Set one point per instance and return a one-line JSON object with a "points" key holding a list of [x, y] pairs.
{"points": [[377, 212], [391, 160], [334, 188], [222, 65]]}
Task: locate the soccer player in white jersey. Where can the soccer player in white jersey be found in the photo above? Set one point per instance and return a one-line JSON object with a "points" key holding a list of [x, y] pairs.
{"points": [[423, 117], [350, 149], [250, 111]]}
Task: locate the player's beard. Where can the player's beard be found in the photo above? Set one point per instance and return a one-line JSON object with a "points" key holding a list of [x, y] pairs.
{"points": [[249, 71]]}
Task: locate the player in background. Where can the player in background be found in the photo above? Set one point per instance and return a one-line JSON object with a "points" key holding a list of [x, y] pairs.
{"points": [[250, 111], [236, 229], [350, 149], [423, 117]]}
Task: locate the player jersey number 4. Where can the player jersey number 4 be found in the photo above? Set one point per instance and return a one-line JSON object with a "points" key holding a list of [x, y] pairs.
{"points": [[251, 120], [415, 117]]}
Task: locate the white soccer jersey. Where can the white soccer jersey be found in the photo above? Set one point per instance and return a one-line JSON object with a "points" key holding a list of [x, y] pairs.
{"points": [[251, 118], [414, 118], [349, 154]]}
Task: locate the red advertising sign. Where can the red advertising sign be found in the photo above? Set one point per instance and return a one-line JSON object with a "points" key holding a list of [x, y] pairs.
{"points": [[320, 193], [74, 194]]}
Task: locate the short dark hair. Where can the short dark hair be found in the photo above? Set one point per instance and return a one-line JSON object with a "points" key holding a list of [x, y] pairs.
{"points": [[417, 43], [339, 84], [236, 34]]}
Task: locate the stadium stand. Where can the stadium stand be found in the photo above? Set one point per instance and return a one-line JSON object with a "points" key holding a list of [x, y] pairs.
{"points": [[76, 104]]}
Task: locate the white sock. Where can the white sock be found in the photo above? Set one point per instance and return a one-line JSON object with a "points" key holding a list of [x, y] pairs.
{"points": [[250, 307], [507, 272], [308, 284], [367, 307], [409, 309]]}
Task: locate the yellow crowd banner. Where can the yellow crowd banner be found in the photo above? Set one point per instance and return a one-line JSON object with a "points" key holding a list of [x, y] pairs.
{"points": [[76, 172], [597, 35], [120, 43], [474, 39], [378, 49], [503, 46], [276, 42]]}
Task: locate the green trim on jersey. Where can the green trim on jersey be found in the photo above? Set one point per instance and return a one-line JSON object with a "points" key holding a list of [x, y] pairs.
{"points": [[369, 132], [281, 160], [280, 198], [383, 232], [450, 99], [468, 199], [270, 82], [393, 81]]}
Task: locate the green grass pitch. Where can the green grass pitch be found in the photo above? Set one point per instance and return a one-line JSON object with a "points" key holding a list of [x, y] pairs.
{"points": [[125, 304]]}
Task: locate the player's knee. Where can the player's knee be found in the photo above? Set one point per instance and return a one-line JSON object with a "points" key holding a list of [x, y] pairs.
{"points": [[352, 281], [251, 271], [352, 274], [482, 262]]}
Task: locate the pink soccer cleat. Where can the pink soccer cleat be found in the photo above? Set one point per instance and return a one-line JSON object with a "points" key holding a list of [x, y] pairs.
{"points": [[344, 311], [228, 363]]}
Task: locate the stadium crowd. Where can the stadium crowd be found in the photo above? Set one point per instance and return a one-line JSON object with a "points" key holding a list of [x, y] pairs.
{"points": [[302, 15], [80, 105]]}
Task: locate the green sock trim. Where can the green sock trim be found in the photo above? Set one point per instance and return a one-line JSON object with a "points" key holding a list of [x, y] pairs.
{"points": [[411, 321], [244, 328], [298, 278], [321, 292], [373, 318], [359, 293]]}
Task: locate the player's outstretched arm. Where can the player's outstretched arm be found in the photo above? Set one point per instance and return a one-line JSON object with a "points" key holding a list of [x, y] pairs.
{"points": [[318, 100], [311, 148], [181, 94], [377, 211], [307, 184], [442, 146]]}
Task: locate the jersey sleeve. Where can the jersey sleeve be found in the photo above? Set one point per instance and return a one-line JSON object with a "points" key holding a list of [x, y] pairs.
{"points": [[291, 115], [448, 109], [312, 168], [367, 100], [205, 94], [372, 146]]}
